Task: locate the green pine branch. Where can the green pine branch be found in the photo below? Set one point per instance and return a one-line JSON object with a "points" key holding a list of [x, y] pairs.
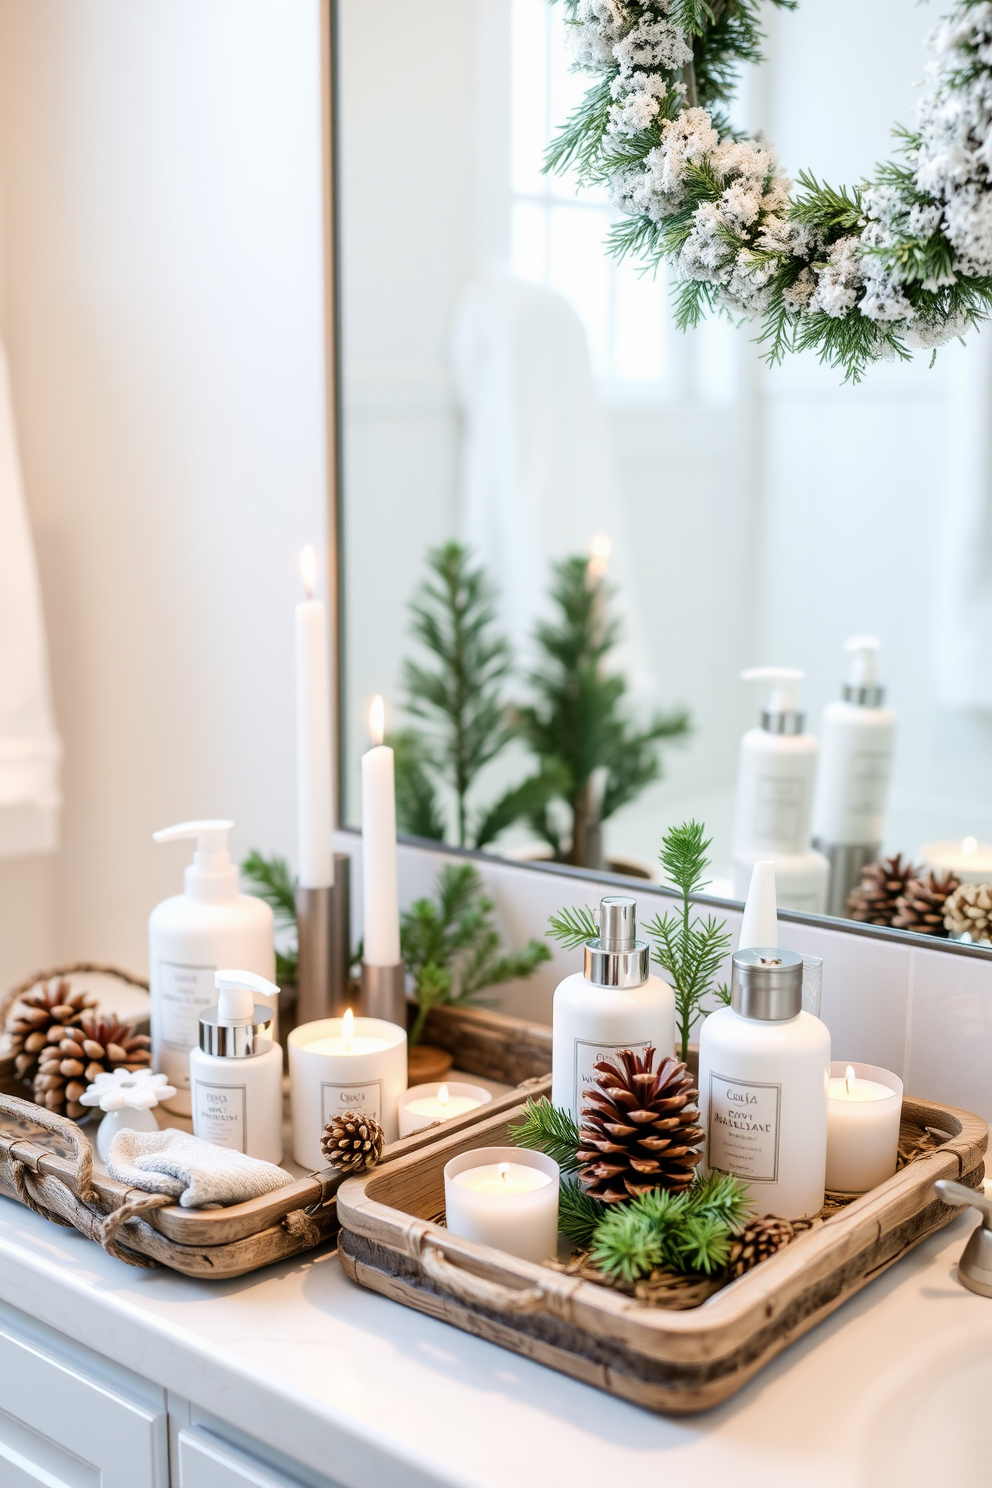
{"points": [[551, 1130], [270, 879], [573, 927], [419, 812], [689, 1232], [578, 1213]]}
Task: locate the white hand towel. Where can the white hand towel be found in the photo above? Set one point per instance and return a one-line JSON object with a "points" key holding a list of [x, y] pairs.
{"points": [[193, 1171]]}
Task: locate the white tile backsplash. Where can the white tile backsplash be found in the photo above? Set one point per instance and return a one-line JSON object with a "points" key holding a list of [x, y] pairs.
{"points": [[950, 1030]]}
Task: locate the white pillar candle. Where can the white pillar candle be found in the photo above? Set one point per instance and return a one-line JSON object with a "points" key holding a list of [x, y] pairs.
{"points": [[380, 893], [343, 1064], [969, 860], [422, 1104], [314, 810], [863, 1113], [506, 1197]]}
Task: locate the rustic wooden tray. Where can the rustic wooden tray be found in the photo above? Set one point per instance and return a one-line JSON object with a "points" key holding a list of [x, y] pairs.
{"points": [[667, 1361]]}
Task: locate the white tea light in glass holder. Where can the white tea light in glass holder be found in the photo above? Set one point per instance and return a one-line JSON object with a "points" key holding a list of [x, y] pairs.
{"points": [[423, 1104], [128, 1097], [343, 1064], [864, 1109], [506, 1197]]}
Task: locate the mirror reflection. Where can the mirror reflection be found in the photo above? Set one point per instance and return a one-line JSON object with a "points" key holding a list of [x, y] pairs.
{"points": [[608, 574]]}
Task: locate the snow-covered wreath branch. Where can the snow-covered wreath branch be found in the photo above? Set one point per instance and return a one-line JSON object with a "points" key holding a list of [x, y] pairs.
{"points": [[900, 262]]}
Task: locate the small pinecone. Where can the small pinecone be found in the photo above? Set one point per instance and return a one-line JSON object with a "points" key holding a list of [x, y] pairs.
{"points": [[759, 1240], [52, 1010], [922, 906], [968, 911], [73, 1057], [352, 1143], [639, 1129], [874, 900]]}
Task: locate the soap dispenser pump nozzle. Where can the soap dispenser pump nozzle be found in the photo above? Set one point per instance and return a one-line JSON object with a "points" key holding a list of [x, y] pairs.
{"points": [[237, 1025], [616, 958], [862, 685], [782, 715]]}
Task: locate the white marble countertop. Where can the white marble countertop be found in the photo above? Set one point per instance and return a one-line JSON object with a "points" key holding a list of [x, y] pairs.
{"points": [[378, 1396]]}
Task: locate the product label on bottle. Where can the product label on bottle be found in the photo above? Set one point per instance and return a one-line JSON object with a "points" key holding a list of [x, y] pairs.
{"points": [[778, 811], [743, 1128], [183, 994], [220, 1114], [588, 1053], [360, 1100], [869, 781]]}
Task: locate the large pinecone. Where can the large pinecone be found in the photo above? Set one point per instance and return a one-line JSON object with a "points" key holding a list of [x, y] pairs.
{"points": [[875, 899], [639, 1129], [52, 1010], [968, 911], [74, 1056], [922, 906], [352, 1143], [760, 1239]]}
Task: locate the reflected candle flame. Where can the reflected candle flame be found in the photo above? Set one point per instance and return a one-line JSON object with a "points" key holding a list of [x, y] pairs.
{"points": [[969, 846], [377, 720], [308, 570]]}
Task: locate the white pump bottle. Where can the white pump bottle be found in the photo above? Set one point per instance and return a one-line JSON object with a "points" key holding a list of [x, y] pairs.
{"points": [[857, 745], [190, 936], [236, 1072], [775, 785]]}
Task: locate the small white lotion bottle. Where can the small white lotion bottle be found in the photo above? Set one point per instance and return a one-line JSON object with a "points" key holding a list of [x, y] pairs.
{"points": [[613, 1004], [236, 1073], [190, 936], [775, 784], [857, 743], [764, 1071]]}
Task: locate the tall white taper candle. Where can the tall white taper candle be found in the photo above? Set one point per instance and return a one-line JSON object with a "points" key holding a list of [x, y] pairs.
{"points": [[314, 812], [380, 894]]}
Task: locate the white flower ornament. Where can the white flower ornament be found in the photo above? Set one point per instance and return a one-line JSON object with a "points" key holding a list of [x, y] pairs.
{"points": [[127, 1090]]}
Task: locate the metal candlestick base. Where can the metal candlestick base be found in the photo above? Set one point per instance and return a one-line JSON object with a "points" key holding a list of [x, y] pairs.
{"points": [[384, 992], [322, 924]]}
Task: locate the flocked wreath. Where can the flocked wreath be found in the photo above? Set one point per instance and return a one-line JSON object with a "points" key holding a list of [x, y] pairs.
{"points": [[873, 272]]}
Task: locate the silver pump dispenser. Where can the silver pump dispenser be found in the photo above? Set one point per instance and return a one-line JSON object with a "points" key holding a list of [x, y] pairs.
{"points": [[617, 958], [862, 686], [767, 984], [237, 1027], [782, 715]]}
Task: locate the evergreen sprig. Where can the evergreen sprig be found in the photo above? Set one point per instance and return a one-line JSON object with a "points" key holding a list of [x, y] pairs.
{"points": [[551, 1130], [578, 1213], [690, 949], [272, 881], [573, 927], [689, 1232]]}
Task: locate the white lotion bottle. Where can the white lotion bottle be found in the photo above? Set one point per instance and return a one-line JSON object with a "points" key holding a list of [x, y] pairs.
{"points": [[192, 935], [857, 743], [613, 1004], [775, 785], [236, 1072], [764, 1067]]}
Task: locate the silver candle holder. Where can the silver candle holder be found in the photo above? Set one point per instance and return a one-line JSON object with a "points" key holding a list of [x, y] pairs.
{"points": [[384, 992], [323, 925]]}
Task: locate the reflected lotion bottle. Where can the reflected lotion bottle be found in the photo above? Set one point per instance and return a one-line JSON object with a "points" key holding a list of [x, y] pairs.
{"points": [[612, 1004]]}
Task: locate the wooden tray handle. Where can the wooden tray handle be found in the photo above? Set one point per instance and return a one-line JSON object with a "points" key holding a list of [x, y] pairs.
{"points": [[82, 1152], [476, 1290]]}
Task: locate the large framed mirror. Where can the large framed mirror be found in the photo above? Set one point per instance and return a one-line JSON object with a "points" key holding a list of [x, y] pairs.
{"points": [[537, 463]]}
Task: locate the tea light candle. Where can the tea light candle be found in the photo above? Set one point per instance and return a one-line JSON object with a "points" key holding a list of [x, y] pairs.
{"points": [[863, 1111], [969, 860], [506, 1197], [344, 1064], [423, 1104]]}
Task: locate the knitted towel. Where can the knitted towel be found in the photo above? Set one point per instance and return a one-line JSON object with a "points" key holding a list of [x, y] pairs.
{"points": [[195, 1172]]}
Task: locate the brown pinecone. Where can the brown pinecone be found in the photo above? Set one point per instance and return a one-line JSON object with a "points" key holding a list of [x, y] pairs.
{"points": [[352, 1143], [759, 1240], [51, 1010], [874, 900], [639, 1129], [968, 911], [74, 1056], [922, 906]]}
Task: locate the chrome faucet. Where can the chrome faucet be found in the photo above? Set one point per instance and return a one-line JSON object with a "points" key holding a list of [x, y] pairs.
{"points": [[975, 1265]]}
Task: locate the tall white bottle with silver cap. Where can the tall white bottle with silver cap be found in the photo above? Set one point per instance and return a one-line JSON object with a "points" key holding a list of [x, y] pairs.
{"points": [[775, 784], [613, 1004], [190, 936], [764, 1065], [236, 1072], [857, 743]]}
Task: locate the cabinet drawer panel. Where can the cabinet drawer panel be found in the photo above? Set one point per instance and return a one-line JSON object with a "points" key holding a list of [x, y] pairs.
{"points": [[29, 1460], [205, 1463]]}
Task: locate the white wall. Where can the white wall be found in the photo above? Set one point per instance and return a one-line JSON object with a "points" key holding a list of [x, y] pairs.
{"points": [[162, 308]]}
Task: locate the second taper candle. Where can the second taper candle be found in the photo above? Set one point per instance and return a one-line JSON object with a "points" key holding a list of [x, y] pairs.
{"points": [[380, 893]]}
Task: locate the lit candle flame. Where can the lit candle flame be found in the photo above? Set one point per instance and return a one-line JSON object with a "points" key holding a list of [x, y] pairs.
{"points": [[348, 1028], [504, 1172], [308, 570], [969, 846], [377, 720], [442, 1095], [599, 555], [849, 1076]]}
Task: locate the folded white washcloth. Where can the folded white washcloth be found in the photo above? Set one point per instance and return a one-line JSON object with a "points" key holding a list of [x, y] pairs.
{"points": [[193, 1171]]}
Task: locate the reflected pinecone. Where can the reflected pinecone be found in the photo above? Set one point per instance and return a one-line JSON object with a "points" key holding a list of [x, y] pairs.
{"points": [[50, 1011], [73, 1057], [875, 899], [923, 905], [639, 1129], [968, 911]]}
